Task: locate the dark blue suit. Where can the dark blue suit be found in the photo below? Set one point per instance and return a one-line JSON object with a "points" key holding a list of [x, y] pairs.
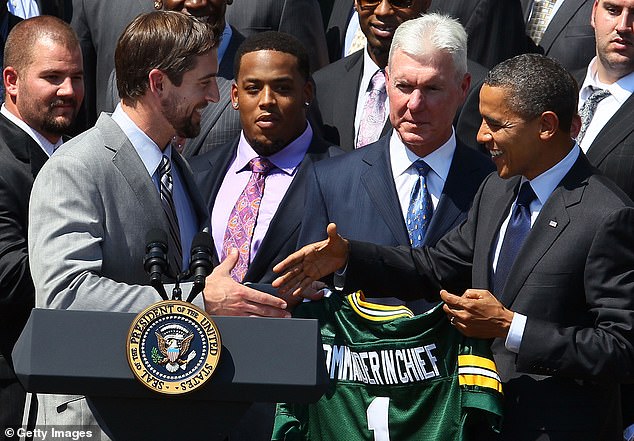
{"points": [[357, 192]]}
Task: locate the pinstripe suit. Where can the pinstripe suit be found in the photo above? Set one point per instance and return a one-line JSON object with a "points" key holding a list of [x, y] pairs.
{"points": [[301, 18], [569, 38]]}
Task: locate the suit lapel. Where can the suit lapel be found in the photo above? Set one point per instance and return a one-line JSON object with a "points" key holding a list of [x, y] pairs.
{"points": [[202, 215], [213, 111], [378, 181], [553, 219], [288, 216], [22, 146], [559, 22], [485, 242], [127, 161], [451, 199], [349, 92], [617, 128]]}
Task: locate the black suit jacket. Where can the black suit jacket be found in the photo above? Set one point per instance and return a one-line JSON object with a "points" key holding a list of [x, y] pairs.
{"points": [[281, 237], [21, 158], [337, 26], [573, 278], [495, 27], [569, 37], [337, 90], [612, 151]]}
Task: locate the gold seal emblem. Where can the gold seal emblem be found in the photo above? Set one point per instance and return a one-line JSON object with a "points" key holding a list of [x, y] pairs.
{"points": [[173, 347]]}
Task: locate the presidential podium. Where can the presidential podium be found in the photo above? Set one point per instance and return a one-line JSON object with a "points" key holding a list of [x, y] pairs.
{"points": [[84, 353]]}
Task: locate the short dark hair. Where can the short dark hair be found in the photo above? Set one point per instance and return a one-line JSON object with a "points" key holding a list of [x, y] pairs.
{"points": [[537, 84], [18, 50], [274, 41], [166, 40]]}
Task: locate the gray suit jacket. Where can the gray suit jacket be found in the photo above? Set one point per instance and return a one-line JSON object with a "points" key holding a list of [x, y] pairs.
{"points": [[301, 18], [569, 38], [92, 205]]}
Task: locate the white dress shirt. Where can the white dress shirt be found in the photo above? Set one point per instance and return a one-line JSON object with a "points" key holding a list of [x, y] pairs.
{"points": [[620, 91], [151, 155], [405, 175]]}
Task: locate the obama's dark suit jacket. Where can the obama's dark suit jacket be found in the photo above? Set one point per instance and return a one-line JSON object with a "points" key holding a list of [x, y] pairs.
{"points": [[573, 278]]}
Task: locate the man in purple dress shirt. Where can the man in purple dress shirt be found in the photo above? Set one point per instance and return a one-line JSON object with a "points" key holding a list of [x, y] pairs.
{"points": [[260, 213]]}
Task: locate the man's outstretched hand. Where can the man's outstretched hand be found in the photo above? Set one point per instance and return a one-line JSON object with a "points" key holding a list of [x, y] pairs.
{"points": [[311, 263]]}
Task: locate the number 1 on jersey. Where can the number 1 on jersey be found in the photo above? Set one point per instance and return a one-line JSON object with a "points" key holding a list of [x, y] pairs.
{"points": [[378, 418]]}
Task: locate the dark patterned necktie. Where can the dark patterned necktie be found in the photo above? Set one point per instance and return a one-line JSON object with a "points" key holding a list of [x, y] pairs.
{"points": [[516, 231], [589, 108], [167, 200], [421, 207], [243, 217]]}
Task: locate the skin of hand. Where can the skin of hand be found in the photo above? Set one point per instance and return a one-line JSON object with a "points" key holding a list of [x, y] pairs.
{"points": [[477, 313], [225, 296], [311, 263]]}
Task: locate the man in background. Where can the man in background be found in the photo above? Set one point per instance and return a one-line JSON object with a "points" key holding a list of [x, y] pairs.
{"points": [[43, 78]]}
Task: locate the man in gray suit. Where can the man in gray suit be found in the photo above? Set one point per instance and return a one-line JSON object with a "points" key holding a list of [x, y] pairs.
{"points": [[94, 203]]}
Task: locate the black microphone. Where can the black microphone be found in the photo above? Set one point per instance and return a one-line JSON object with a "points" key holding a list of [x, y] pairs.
{"points": [[200, 265], [155, 260]]}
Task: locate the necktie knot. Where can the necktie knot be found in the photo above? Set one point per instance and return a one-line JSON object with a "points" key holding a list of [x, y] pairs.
{"points": [[589, 108], [526, 195], [165, 166], [261, 165], [377, 82], [421, 167]]}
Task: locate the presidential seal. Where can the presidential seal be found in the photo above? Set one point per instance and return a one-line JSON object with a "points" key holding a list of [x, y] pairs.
{"points": [[173, 347]]}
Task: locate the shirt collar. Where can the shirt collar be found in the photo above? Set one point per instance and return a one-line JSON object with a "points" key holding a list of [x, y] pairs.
{"points": [[285, 160], [148, 151], [48, 147], [369, 69], [544, 184], [620, 90], [439, 160]]}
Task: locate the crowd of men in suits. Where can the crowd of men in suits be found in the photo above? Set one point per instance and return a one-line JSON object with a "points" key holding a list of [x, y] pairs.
{"points": [[393, 143]]}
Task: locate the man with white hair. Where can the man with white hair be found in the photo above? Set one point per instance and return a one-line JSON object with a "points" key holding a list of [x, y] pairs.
{"points": [[419, 169]]}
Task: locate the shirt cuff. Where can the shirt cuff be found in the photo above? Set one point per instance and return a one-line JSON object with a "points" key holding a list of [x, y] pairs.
{"points": [[516, 332], [339, 278], [628, 433]]}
